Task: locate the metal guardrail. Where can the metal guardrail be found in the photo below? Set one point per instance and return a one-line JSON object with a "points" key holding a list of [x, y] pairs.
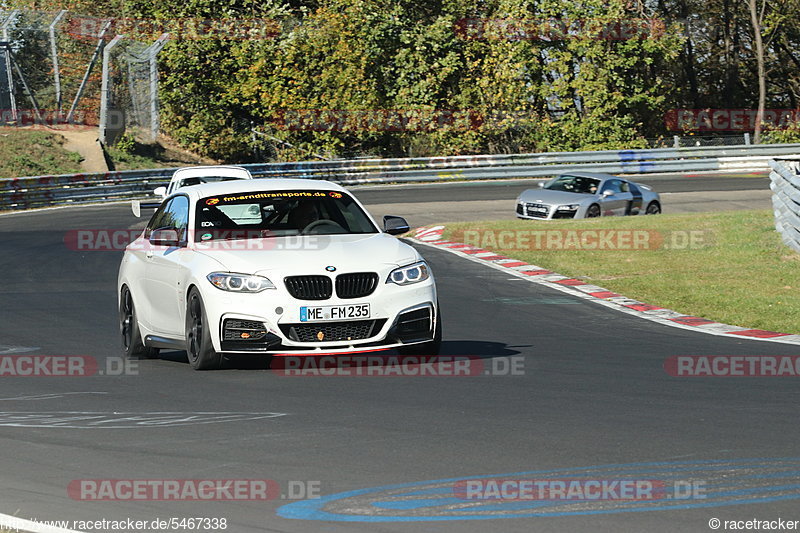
{"points": [[42, 191], [785, 185], [45, 191]]}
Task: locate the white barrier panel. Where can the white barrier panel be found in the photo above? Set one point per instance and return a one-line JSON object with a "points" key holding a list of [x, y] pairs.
{"points": [[785, 185]]}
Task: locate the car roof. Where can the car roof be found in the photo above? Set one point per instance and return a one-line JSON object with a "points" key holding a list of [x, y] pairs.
{"points": [[260, 184], [216, 170]]}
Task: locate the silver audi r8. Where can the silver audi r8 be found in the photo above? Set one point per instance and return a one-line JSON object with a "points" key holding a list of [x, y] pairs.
{"points": [[587, 195]]}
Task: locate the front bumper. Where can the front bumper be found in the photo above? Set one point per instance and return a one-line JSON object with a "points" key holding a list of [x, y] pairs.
{"points": [[269, 322], [537, 211]]}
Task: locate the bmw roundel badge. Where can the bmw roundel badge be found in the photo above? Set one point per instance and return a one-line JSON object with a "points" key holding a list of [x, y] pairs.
{"points": [[330, 268]]}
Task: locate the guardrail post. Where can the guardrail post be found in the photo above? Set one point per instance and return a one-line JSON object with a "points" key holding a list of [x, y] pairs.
{"points": [[153, 51], [100, 43], [105, 100], [51, 30], [7, 58]]}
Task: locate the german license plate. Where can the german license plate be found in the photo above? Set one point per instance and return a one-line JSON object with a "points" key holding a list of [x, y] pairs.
{"points": [[334, 312]]}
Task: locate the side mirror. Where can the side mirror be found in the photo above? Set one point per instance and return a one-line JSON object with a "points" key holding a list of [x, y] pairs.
{"points": [[607, 193], [160, 191], [165, 237], [541, 185], [395, 225], [137, 206]]}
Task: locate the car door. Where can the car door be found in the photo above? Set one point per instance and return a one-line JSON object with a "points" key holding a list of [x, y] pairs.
{"points": [[637, 204], [615, 197], [164, 270], [138, 273]]}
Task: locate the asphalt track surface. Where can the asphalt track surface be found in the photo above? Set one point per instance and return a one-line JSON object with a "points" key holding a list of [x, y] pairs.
{"points": [[593, 392]]}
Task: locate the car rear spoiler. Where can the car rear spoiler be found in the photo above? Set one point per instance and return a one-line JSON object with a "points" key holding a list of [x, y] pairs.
{"points": [[137, 206]]}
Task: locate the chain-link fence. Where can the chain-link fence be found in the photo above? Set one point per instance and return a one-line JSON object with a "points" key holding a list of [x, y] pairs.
{"points": [[130, 89], [62, 68]]}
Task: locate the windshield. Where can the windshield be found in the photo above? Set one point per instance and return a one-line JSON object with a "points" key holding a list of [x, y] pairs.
{"points": [[576, 184], [198, 180], [261, 214]]}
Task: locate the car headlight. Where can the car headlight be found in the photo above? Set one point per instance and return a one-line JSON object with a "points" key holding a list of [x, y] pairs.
{"points": [[409, 274], [570, 207], [227, 281]]}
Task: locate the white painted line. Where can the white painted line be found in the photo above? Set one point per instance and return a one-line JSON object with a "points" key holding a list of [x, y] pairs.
{"points": [[589, 288], [666, 313], [46, 396], [35, 210], [793, 338], [126, 420], [550, 277], [523, 268], [6, 349], [723, 328]]}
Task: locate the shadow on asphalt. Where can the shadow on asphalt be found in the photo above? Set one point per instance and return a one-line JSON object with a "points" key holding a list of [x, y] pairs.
{"points": [[449, 350]]}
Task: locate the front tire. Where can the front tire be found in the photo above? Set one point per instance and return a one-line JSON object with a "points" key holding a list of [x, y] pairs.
{"points": [[432, 347], [199, 349], [132, 343], [653, 208], [593, 211]]}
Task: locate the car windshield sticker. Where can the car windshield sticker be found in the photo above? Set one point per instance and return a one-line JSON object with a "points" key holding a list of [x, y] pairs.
{"points": [[277, 195]]}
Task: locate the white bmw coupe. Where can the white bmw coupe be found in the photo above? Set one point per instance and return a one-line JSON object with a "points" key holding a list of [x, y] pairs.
{"points": [[273, 267]]}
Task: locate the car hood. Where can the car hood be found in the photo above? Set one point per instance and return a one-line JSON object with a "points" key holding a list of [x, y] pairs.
{"points": [[553, 197], [310, 254]]}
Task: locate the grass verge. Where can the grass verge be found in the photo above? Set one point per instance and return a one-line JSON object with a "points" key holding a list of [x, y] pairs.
{"points": [[29, 152], [35, 153], [730, 267]]}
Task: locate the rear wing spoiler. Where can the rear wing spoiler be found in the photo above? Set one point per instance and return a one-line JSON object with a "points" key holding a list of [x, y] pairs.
{"points": [[137, 206]]}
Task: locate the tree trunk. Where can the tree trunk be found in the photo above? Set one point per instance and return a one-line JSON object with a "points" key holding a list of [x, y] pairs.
{"points": [[756, 20]]}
